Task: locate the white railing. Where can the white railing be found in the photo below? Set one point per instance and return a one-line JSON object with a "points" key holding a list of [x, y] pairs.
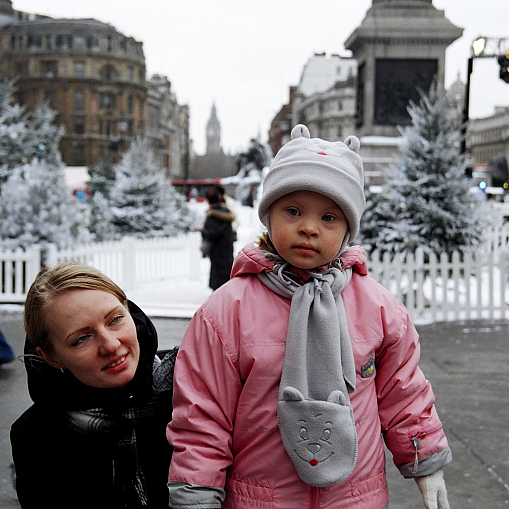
{"points": [[131, 262], [17, 271], [464, 286]]}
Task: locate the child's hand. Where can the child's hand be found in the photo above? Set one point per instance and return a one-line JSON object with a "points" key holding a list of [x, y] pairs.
{"points": [[433, 490]]}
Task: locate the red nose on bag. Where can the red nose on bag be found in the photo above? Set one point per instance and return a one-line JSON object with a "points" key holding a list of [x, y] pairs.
{"points": [[313, 463]]}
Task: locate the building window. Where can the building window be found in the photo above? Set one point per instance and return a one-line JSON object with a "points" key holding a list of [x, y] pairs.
{"points": [[34, 40], [108, 101], [79, 68], [48, 41], [49, 96], [20, 42], [50, 68], [79, 155], [92, 41], [63, 39], [21, 68], [108, 73], [107, 127], [79, 42], [79, 100], [79, 125], [109, 43], [130, 102], [130, 73]]}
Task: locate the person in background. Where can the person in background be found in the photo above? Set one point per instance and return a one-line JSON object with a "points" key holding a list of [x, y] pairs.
{"points": [[292, 375], [217, 239], [94, 436], [6, 352], [226, 201]]}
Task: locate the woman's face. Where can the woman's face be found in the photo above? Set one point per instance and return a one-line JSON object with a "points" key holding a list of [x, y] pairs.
{"points": [[93, 336]]}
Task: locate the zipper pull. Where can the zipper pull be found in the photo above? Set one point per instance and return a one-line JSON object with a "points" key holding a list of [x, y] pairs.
{"points": [[416, 440]]}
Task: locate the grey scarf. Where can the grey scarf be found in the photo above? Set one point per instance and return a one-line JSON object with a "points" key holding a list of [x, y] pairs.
{"points": [[314, 413]]}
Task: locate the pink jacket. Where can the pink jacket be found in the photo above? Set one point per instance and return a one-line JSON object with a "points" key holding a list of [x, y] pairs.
{"points": [[225, 430]]}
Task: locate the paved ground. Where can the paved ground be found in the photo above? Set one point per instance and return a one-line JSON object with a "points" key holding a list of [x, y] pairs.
{"points": [[466, 362]]}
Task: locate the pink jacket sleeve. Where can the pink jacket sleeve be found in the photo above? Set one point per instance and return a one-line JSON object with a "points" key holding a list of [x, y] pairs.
{"points": [[206, 388], [410, 424]]}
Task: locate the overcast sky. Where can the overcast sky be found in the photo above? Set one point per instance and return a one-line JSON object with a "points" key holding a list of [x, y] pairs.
{"points": [[243, 56]]}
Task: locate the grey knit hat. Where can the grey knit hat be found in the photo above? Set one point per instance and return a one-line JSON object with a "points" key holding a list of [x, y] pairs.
{"points": [[333, 169]]}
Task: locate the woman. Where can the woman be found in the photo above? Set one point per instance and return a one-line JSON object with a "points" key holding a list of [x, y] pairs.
{"points": [[95, 435]]}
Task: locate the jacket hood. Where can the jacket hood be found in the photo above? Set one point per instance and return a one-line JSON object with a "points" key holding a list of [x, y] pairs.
{"points": [[49, 386], [251, 260]]}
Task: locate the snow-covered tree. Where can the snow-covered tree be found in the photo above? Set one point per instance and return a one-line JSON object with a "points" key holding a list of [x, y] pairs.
{"points": [[25, 136], [13, 131], [425, 200], [144, 204], [36, 207], [101, 216], [43, 136]]}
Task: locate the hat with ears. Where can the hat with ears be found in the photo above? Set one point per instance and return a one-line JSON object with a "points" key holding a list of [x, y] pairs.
{"points": [[333, 169]]}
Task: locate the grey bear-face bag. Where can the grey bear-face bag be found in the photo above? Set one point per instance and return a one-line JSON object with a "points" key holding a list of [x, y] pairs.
{"points": [[319, 436], [315, 418]]}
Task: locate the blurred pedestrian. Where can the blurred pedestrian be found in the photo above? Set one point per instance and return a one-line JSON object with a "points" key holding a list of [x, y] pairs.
{"points": [[217, 235], [95, 434], [6, 352]]}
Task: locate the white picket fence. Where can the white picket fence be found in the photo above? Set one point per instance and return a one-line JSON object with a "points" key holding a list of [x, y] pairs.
{"points": [[464, 286], [129, 262]]}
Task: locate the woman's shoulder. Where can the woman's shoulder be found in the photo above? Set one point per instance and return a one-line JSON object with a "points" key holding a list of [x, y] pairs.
{"points": [[39, 421]]}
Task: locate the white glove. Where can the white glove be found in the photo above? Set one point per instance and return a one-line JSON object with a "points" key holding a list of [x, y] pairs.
{"points": [[432, 488]]}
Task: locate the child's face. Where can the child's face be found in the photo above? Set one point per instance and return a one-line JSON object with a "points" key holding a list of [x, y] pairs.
{"points": [[92, 335], [307, 228]]}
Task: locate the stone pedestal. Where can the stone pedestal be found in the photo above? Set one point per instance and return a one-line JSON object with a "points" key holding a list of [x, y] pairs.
{"points": [[400, 48]]}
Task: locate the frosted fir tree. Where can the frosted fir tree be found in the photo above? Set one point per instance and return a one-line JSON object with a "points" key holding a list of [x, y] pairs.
{"points": [[143, 202], [13, 131], [101, 215], [43, 136], [36, 207], [25, 136], [426, 200]]}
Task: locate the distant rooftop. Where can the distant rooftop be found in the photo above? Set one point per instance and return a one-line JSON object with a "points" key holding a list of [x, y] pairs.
{"points": [[321, 72]]}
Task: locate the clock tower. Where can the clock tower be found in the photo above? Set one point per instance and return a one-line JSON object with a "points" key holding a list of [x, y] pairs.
{"points": [[213, 133]]}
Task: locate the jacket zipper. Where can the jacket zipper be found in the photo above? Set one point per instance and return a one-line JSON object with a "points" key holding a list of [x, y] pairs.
{"points": [[315, 497], [416, 440]]}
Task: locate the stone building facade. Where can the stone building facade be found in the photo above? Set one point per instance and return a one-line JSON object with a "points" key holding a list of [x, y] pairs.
{"points": [[167, 125], [488, 137], [281, 125], [95, 78], [325, 97]]}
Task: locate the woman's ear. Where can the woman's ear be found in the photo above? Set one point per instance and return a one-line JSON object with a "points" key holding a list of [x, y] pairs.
{"points": [[49, 358]]}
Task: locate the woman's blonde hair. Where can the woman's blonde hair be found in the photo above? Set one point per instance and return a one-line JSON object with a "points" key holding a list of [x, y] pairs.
{"points": [[52, 282]]}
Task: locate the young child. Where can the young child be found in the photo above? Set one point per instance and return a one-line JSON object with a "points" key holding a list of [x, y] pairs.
{"points": [[94, 436], [293, 373]]}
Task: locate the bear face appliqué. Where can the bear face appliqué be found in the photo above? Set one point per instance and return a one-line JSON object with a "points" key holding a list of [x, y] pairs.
{"points": [[319, 436]]}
